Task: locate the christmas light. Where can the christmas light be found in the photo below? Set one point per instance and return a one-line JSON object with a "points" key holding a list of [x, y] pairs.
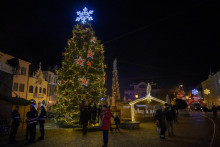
{"points": [[207, 91], [84, 15], [195, 92]]}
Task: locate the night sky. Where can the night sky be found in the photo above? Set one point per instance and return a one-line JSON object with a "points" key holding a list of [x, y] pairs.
{"points": [[168, 42]]}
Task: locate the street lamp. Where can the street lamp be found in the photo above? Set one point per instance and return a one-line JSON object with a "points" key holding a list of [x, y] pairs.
{"points": [[136, 95]]}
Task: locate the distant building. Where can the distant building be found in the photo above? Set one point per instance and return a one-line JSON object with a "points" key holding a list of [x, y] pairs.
{"points": [[20, 79], [51, 78], [6, 79], [37, 89], [136, 91], [211, 90]]}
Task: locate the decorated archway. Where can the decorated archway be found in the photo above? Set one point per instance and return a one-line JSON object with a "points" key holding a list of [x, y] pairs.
{"points": [[148, 97], [200, 101]]}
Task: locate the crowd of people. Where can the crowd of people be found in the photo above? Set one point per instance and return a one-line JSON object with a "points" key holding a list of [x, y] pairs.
{"points": [[102, 115], [165, 119], [32, 120]]}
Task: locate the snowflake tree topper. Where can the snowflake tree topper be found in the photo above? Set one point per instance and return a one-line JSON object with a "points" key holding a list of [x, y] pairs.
{"points": [[84, 15]]}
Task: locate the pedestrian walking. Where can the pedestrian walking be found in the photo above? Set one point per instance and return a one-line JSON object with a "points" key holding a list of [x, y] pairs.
{"points": [[117, 123], [15, 124], [105, 123], [214, 111], [169, 119], [33, 123], [28, 125], [160, 117], [42, 118], [85, 119]]}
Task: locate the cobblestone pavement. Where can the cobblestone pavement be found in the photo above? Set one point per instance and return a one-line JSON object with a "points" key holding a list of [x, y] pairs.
{"points": [[191, 131]]}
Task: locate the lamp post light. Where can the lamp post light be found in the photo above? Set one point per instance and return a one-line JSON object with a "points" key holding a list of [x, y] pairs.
{"points": [[136, 96]]}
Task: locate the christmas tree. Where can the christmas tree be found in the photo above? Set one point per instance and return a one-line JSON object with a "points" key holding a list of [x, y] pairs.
{"points": [[82, 74]]}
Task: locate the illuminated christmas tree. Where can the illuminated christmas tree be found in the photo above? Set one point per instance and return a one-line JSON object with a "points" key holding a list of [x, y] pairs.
{"points": [[82, 74]]}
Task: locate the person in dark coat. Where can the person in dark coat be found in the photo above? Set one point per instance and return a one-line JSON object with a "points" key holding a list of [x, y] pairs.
{"points": [[89, 112], [106, 122], [160, 118], [94, 113], [15, 124], [99, 111], [42, 118], [28, 125], [81, 107], [169, 118], [33, 123], [117, 122], [85, 119], [214, 111]]}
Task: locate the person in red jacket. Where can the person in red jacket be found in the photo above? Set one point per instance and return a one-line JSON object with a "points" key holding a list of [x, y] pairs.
{"points": [[106, 123]]}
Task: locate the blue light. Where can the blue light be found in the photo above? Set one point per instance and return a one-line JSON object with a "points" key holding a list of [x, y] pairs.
{"points": [[102, 99], [84, 15], [195, 92]]}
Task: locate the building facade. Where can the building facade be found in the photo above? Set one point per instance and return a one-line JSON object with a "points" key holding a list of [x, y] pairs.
{"points": [[6, 80], [211, 90], [37, 89], [20, 79], [51, 78]]}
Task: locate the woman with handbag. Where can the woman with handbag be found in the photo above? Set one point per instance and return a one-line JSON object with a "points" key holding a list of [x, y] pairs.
{"points": [[105, 123]]}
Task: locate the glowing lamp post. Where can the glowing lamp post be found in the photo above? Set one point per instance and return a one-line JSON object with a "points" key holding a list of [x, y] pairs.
{"points": [[136, 96]]}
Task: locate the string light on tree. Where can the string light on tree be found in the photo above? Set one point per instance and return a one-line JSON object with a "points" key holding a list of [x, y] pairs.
{"points": [[84, 16]]}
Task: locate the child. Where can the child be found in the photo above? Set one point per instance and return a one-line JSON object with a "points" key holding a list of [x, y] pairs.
{"points": [[117, 122]]}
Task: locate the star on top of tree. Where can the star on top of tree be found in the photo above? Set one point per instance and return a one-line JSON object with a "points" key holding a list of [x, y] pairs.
{"points": [[80, 61], [83, 81], [84, 15], [207, 91]]}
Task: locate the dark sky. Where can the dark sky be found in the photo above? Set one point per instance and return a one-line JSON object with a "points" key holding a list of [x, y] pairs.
{"points": [[169, 42]]}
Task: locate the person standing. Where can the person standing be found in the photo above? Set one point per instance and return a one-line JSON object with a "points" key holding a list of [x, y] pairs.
{"points": [[33, 123], [214, 111], [42, 118], [84, 119], [28, 124], [169, 119], [99, 111], [15, 124], [90, 113], [106, 122], [117, 122], [94, 113], [81, 107], [160, 117]]}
